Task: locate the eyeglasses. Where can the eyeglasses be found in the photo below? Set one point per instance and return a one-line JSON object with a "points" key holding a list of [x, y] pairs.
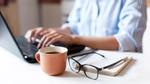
{"points": [[90, 71]]}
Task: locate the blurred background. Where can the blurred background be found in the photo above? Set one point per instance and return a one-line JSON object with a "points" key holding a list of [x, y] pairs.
{"points": [[22, 15]]}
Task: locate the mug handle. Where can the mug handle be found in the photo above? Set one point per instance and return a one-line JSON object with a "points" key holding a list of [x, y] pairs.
{"points": [[37, 57]]}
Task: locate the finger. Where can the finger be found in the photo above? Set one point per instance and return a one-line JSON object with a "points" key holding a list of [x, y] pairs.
{"points": [[49, 36], [47, 31], [49, 39], [46, 41], [42, 40], [43, 32], [37, 33], [53, 40], [29, 35]]}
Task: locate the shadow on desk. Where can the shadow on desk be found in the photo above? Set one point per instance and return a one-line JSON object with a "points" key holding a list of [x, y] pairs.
{"points": [[70, 74]]}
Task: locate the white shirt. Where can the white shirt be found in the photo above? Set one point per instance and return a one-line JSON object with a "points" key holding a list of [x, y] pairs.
{"points": [[123, 19]]}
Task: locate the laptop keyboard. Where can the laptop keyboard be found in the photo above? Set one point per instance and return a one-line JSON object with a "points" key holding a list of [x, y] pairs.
{"points": [[28, 49]]}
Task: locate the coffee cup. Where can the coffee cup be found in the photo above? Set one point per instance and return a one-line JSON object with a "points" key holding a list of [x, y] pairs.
{"points": [[52, 59]]}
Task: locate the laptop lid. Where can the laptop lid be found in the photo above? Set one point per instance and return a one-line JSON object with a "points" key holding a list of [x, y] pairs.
{"points": [[8, 41]]}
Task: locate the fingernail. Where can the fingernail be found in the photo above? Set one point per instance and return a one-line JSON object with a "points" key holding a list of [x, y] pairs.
{"points": [[46, 45], [38, 46]]}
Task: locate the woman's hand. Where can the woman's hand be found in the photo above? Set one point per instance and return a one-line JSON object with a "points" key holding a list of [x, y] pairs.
{"points": [[47, 36], [54, 36], [35, 33]]}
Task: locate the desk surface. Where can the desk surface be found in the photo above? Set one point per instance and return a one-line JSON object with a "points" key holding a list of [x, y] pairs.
{"points": [[16, 71]]}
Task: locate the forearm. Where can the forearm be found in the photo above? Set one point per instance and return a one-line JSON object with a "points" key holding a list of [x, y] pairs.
{"points": [[105, 43]]}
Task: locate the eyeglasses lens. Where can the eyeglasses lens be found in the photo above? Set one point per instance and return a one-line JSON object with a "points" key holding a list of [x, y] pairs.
{"points": [[74, 65], [90, 71]]}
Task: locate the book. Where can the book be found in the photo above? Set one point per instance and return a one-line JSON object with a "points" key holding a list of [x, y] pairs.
{"points": [[97, 59], [116, 70]]}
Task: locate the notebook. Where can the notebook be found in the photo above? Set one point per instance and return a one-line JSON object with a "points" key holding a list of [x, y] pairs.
{"points": [[107, 61]]}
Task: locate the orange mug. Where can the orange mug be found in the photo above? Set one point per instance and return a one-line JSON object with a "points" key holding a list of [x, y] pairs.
{"points": [[52, 59]]}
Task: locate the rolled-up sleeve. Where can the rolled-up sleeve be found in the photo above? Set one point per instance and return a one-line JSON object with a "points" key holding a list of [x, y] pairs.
{"points": [[74, 17], [132, 24]]}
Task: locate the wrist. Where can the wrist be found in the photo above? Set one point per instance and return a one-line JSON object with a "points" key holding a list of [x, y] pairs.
{"points": [[75, 39]]}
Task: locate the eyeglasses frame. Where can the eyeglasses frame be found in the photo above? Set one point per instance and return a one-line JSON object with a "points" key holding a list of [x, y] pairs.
{"points": [[81, 66]]}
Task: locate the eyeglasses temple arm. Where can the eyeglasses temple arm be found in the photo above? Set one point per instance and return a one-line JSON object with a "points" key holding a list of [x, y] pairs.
{"points": [[118, 62], [85, 53], [82, 53]]}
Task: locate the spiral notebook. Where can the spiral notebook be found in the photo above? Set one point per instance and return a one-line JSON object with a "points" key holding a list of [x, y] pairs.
{"points": [[99, 61]]}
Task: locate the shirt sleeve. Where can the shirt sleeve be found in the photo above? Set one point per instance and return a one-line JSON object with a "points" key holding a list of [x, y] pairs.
{"points": [[74, 17], [132, 24]]}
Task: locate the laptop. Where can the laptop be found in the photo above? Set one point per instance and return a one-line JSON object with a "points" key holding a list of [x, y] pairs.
{"points": [[21, 48]]}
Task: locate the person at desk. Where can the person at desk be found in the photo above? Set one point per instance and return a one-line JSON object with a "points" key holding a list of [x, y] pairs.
{"points": [[99, 24]]}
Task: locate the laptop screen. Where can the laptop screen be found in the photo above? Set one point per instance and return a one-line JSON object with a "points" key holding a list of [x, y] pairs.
{"points": [[7, 40]]}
